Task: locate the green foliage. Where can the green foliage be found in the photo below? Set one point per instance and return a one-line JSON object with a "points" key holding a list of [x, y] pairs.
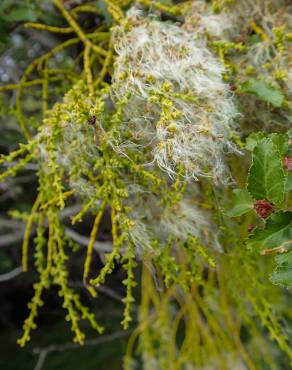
{"points": [[269, 181], [276, 237], [103, 10], [283, 272], [201, 290], [13, 12], [277, 232], [266, 175], [288, 183], [263, 91], [242, 201]]}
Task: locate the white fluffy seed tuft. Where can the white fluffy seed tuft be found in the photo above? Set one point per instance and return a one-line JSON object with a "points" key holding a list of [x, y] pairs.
{"points": [[178, 104]]}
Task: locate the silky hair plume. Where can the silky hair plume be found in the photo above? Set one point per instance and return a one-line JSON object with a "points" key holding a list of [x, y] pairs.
{"points": [[179, 105]]}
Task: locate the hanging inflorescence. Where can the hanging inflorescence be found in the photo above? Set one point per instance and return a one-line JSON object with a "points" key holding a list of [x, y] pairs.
{"points": [[152, 148]]}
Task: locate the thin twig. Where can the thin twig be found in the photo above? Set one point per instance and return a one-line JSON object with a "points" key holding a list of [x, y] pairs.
{"points": [[105, 247], [76, 28], [44, 352], [101, 289], [17, 236]]}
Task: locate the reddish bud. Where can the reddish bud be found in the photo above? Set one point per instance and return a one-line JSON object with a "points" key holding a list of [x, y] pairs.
{"points": [[288, 163], [263, 208]]}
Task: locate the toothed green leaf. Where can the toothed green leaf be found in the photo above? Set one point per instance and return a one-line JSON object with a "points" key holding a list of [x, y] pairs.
{"points": [[253, 140], [281, 142], [263, 91], [266, 176], [282, 276], [283, 272], [278, 230]]}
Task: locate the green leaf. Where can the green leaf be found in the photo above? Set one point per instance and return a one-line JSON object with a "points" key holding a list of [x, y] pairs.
{"points": [[281, 143], [266, 175], [253, 140], [263, 91], [282, 276], [4, 34], [283, 272], [243, 203], [4, 5], [277, 231], [21, 14], [288, 183], [285, 258], [102, 7]]}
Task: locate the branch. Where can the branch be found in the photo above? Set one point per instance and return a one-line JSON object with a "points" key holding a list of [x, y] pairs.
{"points": [[10, 223], [105, 247], [11, 238], [101, 289], [19, 228], [10, 275], [44, 352]]}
